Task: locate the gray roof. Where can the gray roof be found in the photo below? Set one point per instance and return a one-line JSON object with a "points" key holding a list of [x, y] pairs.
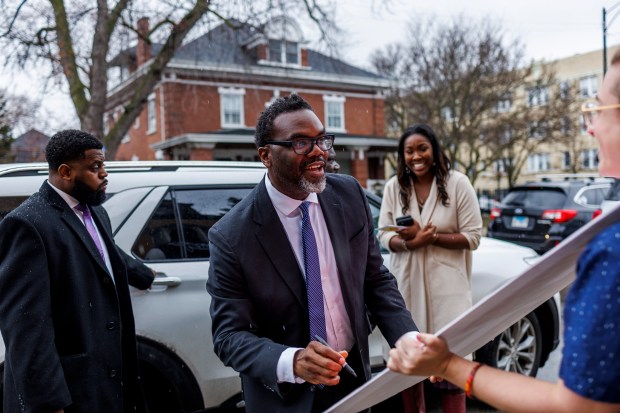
{"points": [[225, 46]]}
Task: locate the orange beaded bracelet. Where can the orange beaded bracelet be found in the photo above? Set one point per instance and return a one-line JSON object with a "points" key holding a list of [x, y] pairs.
{"points": [[470, 380]]}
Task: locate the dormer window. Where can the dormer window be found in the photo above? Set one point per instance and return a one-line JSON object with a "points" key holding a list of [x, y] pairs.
{"points": [[283, 39], [284, 51]]}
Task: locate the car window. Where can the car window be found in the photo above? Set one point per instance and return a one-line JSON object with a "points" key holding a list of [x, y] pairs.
{"points": [[180, 224], [535, 198], [591, 197], [9, 203]]}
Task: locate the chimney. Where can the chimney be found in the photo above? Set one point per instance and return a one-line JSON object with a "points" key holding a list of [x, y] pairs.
{"points": [[143, 50]]}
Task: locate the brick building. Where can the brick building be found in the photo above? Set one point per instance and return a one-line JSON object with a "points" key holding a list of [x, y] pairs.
{"points": [[207, 101]]}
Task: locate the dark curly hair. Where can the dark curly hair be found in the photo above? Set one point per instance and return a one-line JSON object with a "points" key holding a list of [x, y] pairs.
{"points": [[440, 168], [264, 124], [69, 145]]}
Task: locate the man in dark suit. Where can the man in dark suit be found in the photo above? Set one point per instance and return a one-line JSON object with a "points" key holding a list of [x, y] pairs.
{"points": [[65, 309], [260, 274]]}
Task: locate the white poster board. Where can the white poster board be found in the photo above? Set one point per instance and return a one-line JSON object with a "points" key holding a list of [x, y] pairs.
{"points": [[492, 315]]}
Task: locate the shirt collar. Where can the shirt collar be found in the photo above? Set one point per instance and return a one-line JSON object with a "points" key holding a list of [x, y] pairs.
{"points": [[286, 205], [71, 201]]}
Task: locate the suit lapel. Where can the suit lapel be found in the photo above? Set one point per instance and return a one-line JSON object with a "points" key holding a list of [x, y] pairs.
{"points": [[73, 222], [276, 245], [334, 213]]}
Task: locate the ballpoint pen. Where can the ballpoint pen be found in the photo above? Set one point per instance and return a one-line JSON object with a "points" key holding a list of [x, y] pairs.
{"points": [[345, 366]]}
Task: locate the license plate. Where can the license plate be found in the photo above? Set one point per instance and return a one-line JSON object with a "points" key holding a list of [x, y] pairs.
{"points": [[520, 222]]}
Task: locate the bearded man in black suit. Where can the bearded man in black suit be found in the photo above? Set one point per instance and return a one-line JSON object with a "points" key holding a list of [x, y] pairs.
{"points": [[65, 309]]}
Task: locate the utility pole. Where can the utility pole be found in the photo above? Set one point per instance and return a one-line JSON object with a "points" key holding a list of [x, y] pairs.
{"points": [[605, 25], [604, 42]]}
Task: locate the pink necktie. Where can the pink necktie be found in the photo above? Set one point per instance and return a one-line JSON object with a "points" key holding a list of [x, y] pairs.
{"points": [[90, 227]]}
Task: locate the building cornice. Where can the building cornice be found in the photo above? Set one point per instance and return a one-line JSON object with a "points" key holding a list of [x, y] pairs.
{"points": [[354, 141]]}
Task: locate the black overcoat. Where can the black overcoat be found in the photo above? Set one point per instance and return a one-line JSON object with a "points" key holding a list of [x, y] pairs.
{"points": [[67, 325]]}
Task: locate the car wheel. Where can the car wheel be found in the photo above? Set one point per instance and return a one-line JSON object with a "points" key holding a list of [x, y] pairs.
{"points": [[169, 387], [517, 349]]}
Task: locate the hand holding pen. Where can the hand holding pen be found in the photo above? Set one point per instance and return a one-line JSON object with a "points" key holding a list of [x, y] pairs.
{"points": [[345, 366]]}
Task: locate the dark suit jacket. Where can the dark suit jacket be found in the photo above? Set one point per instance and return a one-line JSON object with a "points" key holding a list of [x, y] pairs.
{"points": [[68, 328], [259, 303]]}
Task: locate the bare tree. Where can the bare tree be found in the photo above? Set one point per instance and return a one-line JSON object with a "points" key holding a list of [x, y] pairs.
{"points": [[75, 40], [465, 79]]}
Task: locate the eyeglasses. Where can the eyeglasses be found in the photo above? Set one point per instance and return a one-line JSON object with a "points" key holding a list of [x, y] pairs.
{"points": [[305, 146], [592, 108]]}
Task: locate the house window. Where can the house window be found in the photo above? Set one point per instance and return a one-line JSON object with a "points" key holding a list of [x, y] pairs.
{"points": [[538, 130], [565, 125], [151, 115], [564, 90], [136, 124], [504, 104], [447, 114], [231, 103], [284, 51], [538, 162], [537, 96], [566, 161], [334, 113], [588, 86], [589, 159]]}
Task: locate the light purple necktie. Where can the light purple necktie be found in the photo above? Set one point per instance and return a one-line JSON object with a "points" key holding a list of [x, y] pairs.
{"points": [[316, 311], [90, 227]]}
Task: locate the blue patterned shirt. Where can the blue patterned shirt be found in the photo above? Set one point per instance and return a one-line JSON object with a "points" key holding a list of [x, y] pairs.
{"points": [[591, 356]]}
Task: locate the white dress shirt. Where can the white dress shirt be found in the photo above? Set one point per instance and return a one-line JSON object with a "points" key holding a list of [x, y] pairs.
{"points": [[339, 332]]}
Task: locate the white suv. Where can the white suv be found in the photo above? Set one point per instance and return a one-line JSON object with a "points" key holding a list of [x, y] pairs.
{"points": [[161, 213]]}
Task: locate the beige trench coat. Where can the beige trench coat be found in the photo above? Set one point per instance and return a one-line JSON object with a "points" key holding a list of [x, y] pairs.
{"points": [[435, 282]]}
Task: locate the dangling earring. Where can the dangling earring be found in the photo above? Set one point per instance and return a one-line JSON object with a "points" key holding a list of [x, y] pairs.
{"points": [[407, 170]]}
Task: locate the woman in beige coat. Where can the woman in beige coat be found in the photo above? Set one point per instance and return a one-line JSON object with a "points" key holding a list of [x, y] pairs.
{"points": [[431, 259]]}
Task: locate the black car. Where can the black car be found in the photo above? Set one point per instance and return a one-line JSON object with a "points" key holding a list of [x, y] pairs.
{"points": [[540, 215]]}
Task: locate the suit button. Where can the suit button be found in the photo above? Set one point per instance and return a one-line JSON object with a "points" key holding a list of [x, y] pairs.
{"points": [[106, 280], [112, 373], [110, 325]]}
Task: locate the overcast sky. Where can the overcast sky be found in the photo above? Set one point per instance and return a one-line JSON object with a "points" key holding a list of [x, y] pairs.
{"points": [[549, 29]]}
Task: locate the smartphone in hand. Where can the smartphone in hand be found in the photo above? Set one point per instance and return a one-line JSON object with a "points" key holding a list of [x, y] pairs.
{"points": [[405, 221]]}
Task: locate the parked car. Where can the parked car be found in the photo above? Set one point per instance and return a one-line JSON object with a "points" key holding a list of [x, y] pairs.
{"points": [[540, 215], [161, 213], [612, 198]]}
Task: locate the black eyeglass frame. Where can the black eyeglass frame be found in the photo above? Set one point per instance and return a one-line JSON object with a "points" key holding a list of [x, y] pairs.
{"points": [[328, 143]]}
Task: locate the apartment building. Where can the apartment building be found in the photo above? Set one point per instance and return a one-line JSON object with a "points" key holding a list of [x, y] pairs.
{"points": [[581, 75]]}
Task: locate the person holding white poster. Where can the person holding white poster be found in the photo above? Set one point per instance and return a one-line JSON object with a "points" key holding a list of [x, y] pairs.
{"points": [[589, 375]]}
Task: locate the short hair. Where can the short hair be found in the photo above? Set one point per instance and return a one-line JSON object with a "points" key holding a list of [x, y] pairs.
{"points": [[69, 145], [285, 104]]}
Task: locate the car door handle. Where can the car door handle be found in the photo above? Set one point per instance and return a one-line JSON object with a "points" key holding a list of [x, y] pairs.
{"points": [[163, 280]]}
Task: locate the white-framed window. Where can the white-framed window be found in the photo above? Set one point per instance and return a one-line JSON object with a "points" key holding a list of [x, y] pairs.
{"points": [[566, 160], [151, 115], [564, 90], [447, 114], [231, 107], [504, 104], [537, 96], [538, 130], [284, 51], [334, 113], [588, 86], [136, 124], [565, 125], [539, 162], [589, 159]]}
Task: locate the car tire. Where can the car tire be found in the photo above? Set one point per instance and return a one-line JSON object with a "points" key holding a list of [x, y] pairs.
{"points": [[517, 349], [169, 386]]}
